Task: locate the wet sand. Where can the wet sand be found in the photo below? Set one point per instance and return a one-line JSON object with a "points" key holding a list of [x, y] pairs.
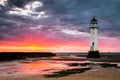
{"points": [[100, 74], [94, 74]]}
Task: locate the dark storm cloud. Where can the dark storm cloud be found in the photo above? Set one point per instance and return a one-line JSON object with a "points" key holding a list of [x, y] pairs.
{"points": [[67, 14], [18, 3], [79, 12]]}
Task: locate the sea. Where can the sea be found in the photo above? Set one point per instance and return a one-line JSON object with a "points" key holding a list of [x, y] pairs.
{"points": [[46, 65]]}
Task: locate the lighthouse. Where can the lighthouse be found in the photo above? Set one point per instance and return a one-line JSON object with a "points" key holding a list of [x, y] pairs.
{"points": [[94, 51]]}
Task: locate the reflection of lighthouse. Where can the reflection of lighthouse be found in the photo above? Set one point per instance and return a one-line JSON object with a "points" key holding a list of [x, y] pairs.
{"points": [[94, 52]]}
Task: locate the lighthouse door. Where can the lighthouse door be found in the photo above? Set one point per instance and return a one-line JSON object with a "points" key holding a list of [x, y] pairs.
{"points": [[93, 46]]}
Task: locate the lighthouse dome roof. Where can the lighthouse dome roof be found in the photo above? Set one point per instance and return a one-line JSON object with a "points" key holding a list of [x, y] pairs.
{"points": [[94, 20]]}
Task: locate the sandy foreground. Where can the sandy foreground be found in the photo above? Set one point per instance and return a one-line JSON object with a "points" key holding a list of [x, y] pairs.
{"points": [[100, 74]]}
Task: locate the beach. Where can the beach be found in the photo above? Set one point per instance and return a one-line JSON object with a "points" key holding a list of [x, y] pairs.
{"points": [[100, 74], [106, 68]]}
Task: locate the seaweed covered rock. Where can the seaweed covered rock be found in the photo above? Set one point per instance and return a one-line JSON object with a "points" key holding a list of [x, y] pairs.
{"points": [[6, 56]]}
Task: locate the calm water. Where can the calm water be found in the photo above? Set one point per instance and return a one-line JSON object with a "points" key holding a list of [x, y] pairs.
{"points": [[35, 67], [39, 66]]}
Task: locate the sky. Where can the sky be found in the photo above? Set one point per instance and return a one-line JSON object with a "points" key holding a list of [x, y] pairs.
{"points": [[58, 25]]}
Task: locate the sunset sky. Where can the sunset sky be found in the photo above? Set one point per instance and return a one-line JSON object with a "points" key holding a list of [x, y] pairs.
{"points": [[58, 25]]}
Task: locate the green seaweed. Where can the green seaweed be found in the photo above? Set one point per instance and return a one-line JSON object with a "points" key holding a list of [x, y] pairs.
{"points": [[64, 73]]}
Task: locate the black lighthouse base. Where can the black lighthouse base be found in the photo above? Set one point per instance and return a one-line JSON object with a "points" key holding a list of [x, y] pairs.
{"points": [[93, 54]]}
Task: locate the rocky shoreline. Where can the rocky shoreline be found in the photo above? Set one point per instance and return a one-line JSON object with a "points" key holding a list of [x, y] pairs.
{"points": [[8, 56]]}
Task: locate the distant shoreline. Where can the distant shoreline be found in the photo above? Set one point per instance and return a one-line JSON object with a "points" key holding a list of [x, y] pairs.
{"points": [[8, 56]]}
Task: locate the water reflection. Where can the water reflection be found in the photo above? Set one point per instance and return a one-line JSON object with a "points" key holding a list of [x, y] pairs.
{"points": [[41, 67], [32, 67], [38, 67]]}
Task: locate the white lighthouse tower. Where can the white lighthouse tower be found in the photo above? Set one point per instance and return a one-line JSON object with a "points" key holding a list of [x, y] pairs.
{"points": [[94, 52], [93, 35]]}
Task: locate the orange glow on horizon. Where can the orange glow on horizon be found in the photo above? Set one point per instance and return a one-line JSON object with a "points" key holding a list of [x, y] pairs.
{"points": [[42, 44], [51, 47]]}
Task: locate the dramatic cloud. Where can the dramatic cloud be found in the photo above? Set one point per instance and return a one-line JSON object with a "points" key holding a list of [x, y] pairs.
{"points": [[62, 22], [29, 10], [3, 2]]}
